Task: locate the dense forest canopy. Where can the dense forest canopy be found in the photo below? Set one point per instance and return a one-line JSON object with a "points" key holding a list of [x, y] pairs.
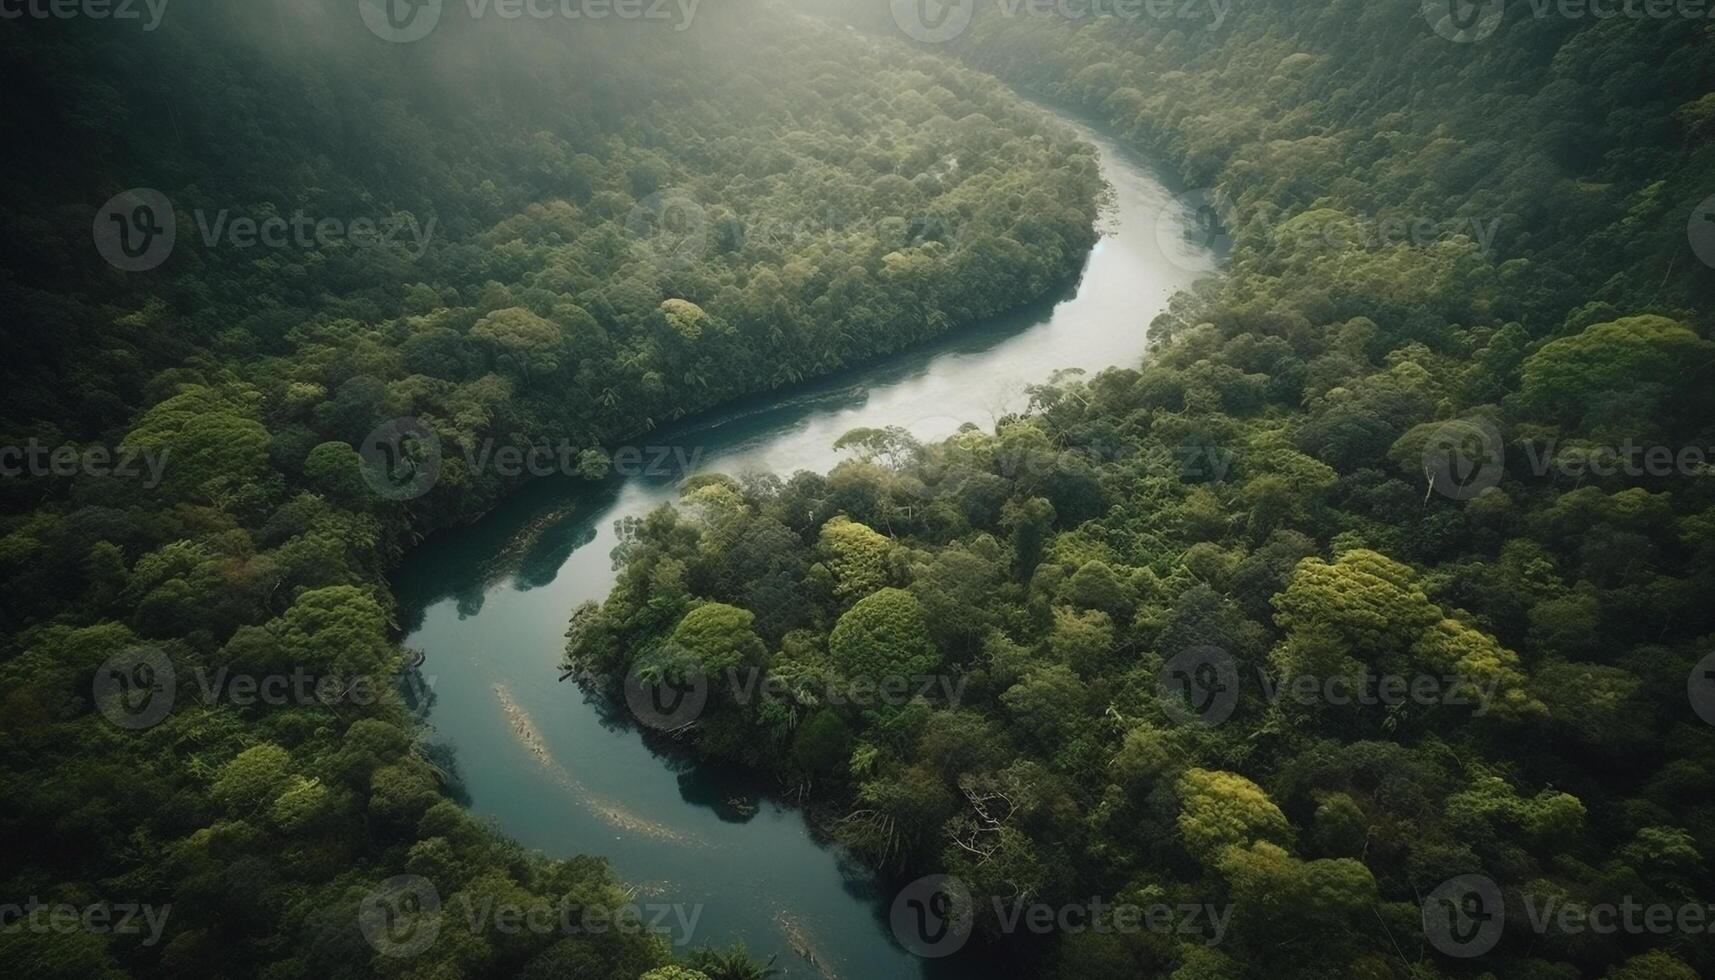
{"points": [[599, 228], [1540, 616], [1442, 421]]}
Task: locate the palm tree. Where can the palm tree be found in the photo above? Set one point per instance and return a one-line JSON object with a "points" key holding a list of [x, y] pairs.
{"points": [[731, 964]]}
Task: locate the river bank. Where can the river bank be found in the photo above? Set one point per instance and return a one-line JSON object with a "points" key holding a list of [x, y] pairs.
{"points": [[488, 604]]}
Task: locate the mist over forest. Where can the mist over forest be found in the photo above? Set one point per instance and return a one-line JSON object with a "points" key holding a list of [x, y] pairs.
{"points": [[730, 489]]}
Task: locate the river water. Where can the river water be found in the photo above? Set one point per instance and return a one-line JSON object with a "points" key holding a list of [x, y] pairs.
{"points": [[488, 605]]}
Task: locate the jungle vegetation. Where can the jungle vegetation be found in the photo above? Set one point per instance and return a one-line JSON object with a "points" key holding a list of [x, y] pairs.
{"points": [[1258, 487], [845, 199], [621, 225]]}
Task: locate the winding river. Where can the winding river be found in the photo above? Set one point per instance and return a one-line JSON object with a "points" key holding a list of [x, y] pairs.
{"points": [[488, 605]]}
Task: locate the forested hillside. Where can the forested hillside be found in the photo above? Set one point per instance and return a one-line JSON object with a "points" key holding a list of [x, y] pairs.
{"points": [[1357, 455], [575, 232]]}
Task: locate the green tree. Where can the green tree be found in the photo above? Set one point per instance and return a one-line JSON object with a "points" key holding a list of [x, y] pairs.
{"points": [[719, 638], [523, 342], [253, 777], [856, 555], [335, 469], [1220, 810], [1567, 377], [211, 448], [883, 636]]}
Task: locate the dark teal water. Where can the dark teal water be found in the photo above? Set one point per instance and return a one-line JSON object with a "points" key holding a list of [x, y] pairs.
{"points": [[488, 605]]}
